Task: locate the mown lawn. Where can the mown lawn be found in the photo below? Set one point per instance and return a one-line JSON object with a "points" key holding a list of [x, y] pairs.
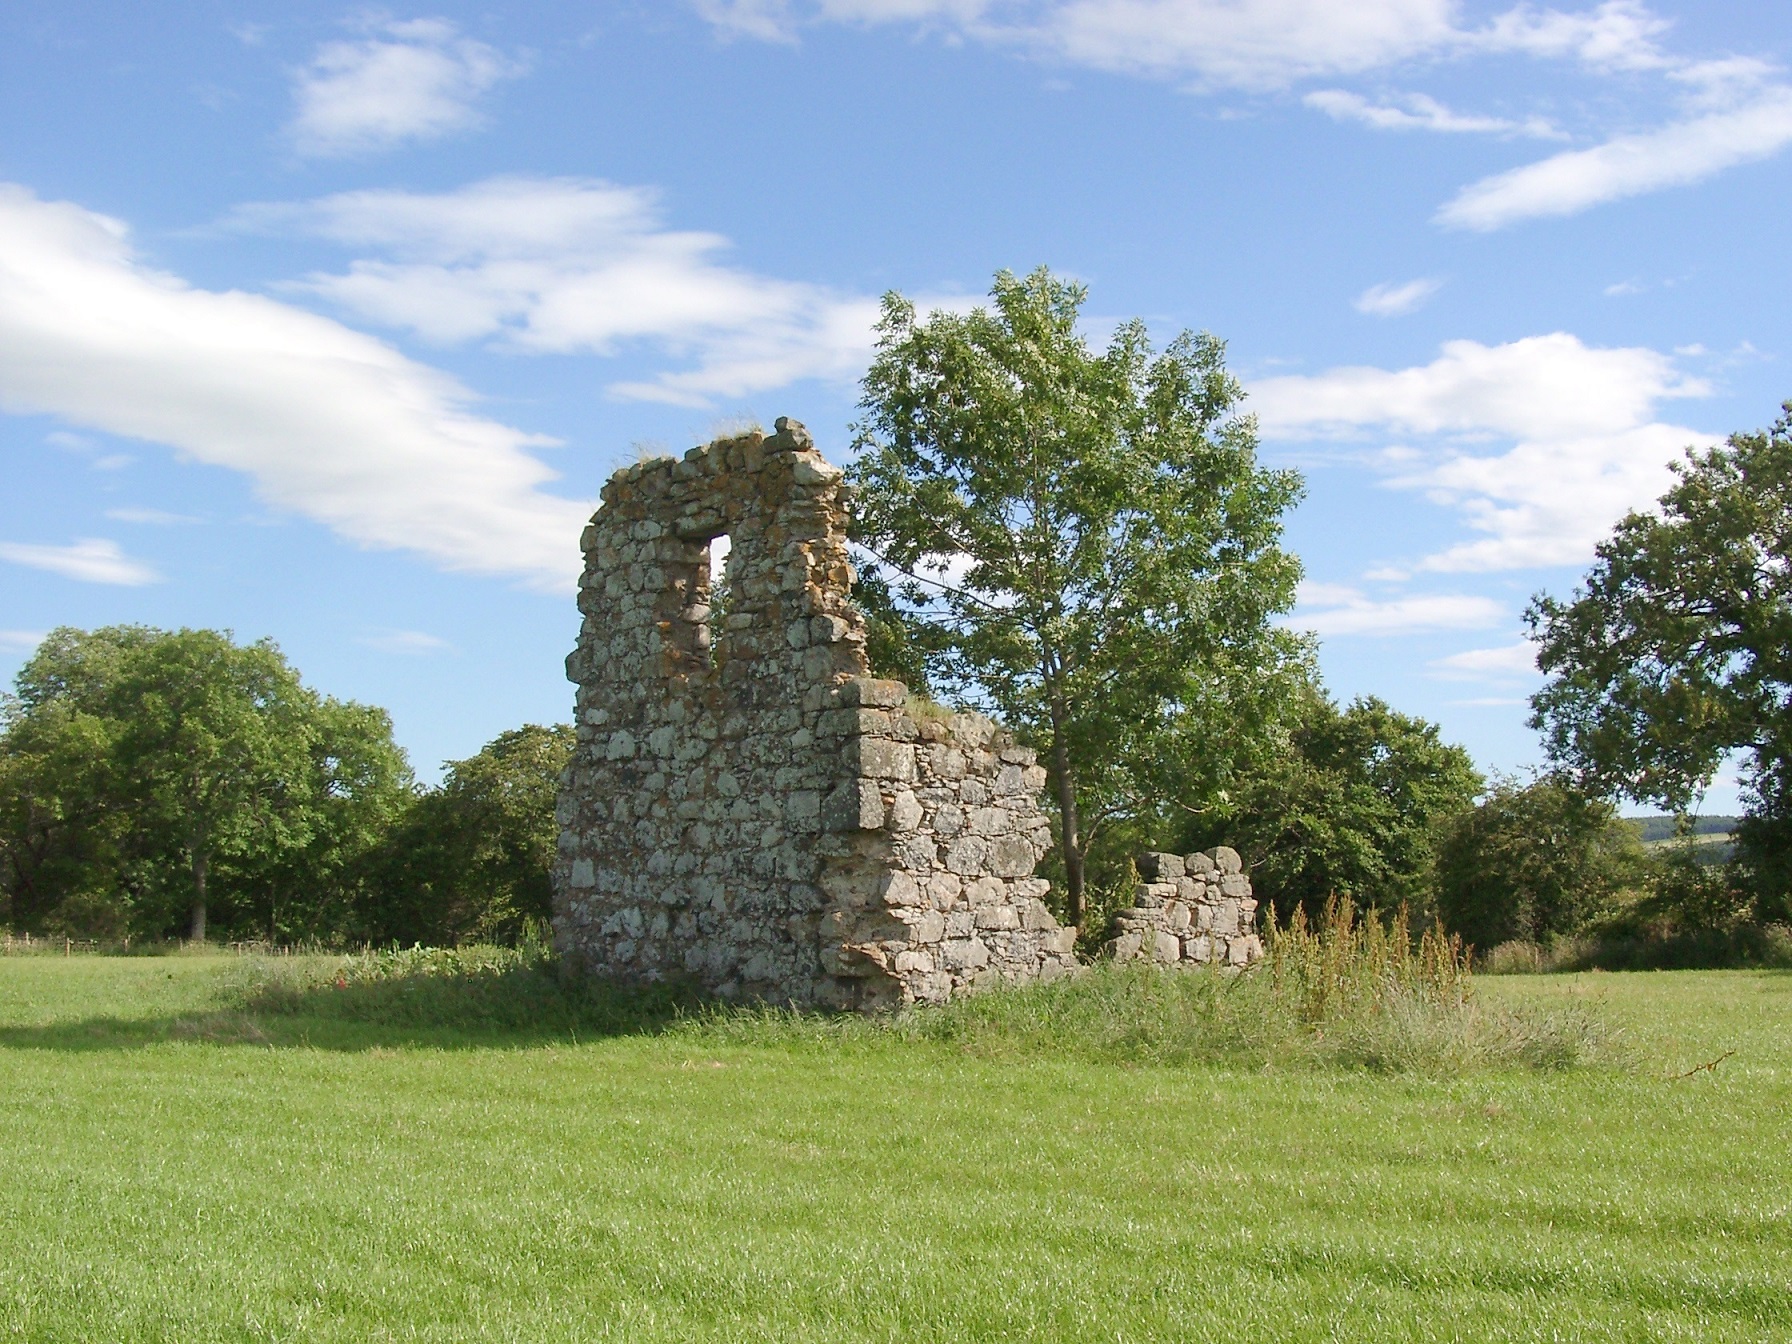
{"points": [[169, 1173]]}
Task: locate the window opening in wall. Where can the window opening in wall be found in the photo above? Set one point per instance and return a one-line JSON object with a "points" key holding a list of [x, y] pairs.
{"points": [[720, 591]]}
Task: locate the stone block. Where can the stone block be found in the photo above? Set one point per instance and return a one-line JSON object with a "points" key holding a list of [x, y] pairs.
{"points": [[967, 856], [1154, 867], [900, 888], [963, 954], [877, 758], [1125, 947], [871, 693], [854, 806], [904, 811], [1011, 856]]}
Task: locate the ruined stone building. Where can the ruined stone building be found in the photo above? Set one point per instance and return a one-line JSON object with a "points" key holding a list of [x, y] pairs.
{"points": [[746, 806]]}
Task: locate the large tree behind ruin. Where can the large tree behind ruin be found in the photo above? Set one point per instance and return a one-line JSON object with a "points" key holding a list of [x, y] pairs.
{"points": [[1080, 541]]}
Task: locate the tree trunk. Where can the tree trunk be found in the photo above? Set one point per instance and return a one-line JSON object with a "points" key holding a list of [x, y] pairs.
{"points": [[1069, 824], [201, 863]]}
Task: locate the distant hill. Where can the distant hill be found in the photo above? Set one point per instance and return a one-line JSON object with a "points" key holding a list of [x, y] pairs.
{"points": [[1654, 829]]}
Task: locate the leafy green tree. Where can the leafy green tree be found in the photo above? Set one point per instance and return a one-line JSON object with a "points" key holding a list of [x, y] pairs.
{"points": [[1535, 861], [472, 860], [59, 839], [143, 768], [215, 742], [1082, 543], [1677, 650], [1345, 803], [362, 788]]}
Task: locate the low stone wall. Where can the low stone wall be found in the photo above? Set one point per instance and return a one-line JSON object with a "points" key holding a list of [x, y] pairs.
{"points": [[746, 806], [1194, 909]]}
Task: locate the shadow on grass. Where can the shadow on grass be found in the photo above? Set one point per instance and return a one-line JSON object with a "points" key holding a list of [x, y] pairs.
{"points": [[517, 1008]]}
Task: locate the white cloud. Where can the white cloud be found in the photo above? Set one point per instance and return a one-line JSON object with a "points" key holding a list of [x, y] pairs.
{"points": [[413, 80], [766, 20], [1395, 300], [1734, 112], [20, 641], [328, 422], [1332, 610], [1417, 112], [1257, 44], [152, 517], [406, 642], [1541, 386], [1507, 660], [1627, 165], [1617, 35], [90, 560], [573, 265], [1247, 44], [1584, 446], [1263, 45]]}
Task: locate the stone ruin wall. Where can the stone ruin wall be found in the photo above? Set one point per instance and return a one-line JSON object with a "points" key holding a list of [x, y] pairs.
{"points": [[748, 808], [1193, 909]]}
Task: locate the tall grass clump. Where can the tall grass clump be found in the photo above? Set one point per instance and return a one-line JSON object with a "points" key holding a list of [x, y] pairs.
{"points": [[1343, 991], [1365, 993]]}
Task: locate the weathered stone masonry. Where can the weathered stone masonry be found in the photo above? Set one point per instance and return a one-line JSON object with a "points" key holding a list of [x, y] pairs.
{"points": [[747, 806], [1191, 909]]}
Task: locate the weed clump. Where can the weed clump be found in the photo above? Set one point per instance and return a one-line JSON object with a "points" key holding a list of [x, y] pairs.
{"points": [[1344, 992]]}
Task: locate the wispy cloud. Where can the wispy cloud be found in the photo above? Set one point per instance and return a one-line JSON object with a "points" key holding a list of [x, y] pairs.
{"points": [[1332, 610], [1584, 444], [1418, 112], [1627, 165], [90, 560], [558, 265], [413, 80], [1734, 108], [1614, 35], [1396, 300], [413, 642], [20, 641], [1506, 660], [328, 422], [151, 517], [1249, 44]]}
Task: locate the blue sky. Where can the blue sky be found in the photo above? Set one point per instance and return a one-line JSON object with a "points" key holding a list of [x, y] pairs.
{"points": [[327, 323]]}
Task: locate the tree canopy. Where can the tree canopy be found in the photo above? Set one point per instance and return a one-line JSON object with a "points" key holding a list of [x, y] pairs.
{"points": [[1534, 862], [472, 860], [1345, 802], [1676, 651], [142, 767], [1081, 542]]}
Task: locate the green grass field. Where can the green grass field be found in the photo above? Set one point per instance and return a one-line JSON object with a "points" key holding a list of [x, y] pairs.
{"points": [[174, 1169]]}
